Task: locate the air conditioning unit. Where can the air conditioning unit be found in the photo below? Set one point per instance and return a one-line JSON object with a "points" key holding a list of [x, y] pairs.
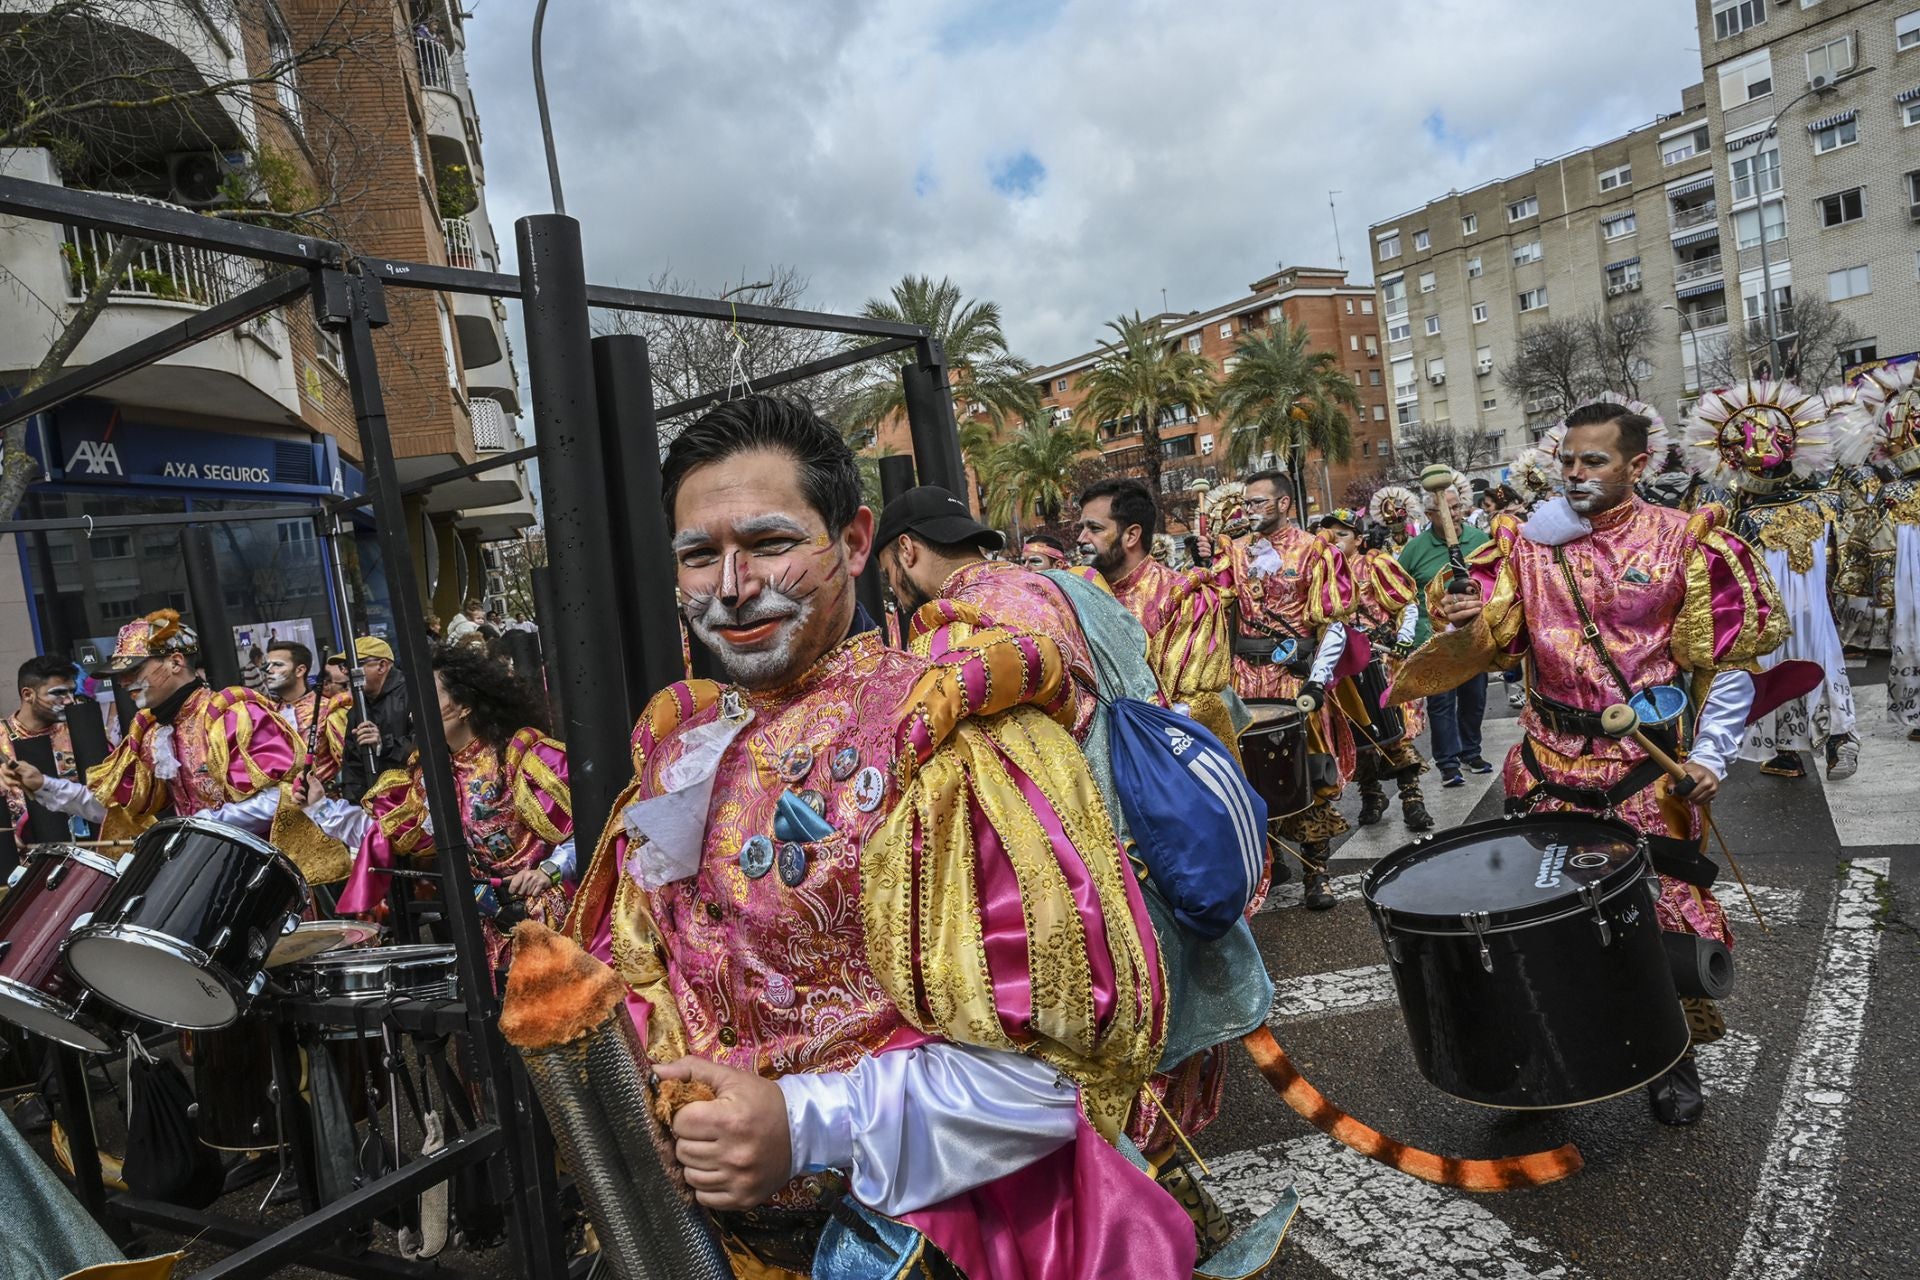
{"points": [[1820, 82], [1437, 379], [1486, 366], [1206, 444], [201, 179], [1615, 290]]}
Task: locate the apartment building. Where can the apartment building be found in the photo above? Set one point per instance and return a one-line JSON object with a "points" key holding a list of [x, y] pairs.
{"points": [[259, 417], [1460, 280], [1815, 111], [1339, 317]]}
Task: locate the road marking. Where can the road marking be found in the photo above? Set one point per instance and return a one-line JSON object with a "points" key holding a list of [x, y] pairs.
{"points": [[1792, 1206], [1776, 904], [1363, 1221], [1450, 806], [1322, 995], [1726, 1065], [1878, 805]]}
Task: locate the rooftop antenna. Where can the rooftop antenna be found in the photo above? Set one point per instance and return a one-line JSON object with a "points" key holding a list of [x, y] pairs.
{"points": [[546, 120], [1332, 212], [1163, 299]]}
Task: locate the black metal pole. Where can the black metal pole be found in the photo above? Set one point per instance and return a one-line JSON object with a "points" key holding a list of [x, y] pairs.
{"points": [[544, 611], [936, 440], [643, 541], [584, 641], [896, 477], [352, 305], [218, 657]]}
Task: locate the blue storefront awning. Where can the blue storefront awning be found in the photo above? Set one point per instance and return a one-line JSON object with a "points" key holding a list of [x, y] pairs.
{"points": [[1624, 262], [1695, 290], [1697, 237], [1832, 120]]}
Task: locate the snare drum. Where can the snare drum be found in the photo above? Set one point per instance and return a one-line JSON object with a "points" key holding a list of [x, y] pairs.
{"points": [[423, 971], [1386, 725], [57, 889], [1528, 960], [183, 938], [1273, 751]]}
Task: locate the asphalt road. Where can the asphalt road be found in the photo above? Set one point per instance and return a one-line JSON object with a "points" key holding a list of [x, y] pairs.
{"points": [[1801, 1166]]}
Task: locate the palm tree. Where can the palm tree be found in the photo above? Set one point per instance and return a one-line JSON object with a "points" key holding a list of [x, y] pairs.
{"points": [[1282, 398], [980, 368], [1141, 375], [1033, 471]]}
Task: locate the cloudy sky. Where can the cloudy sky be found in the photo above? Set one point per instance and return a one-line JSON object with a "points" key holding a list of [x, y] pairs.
{"points": [[1065, 158]]}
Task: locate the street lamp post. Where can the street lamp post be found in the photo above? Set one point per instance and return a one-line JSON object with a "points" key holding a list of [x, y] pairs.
{"points": [[1687, 325]]}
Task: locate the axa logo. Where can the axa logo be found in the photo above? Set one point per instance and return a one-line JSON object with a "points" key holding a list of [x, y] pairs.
{"points": [[97, 457], [1179, 739]]}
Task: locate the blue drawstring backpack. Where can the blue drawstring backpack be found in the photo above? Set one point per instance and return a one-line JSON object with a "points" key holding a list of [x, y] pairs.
{"points": [[1201, 830]]}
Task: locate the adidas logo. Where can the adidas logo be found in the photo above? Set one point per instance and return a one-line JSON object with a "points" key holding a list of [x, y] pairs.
{"points": [[1179, 740]]}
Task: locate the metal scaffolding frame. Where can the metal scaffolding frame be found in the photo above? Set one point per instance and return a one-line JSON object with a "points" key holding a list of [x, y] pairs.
{"points": [[611, 630]]}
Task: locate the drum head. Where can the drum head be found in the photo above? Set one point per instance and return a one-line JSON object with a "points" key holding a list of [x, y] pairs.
{"points": [[317, 937], [149, 977], [1512, 870], [40, 1014]]}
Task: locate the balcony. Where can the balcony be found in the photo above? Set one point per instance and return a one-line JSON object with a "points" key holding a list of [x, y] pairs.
{"points": [[1707, 317], [436, 63], [480, 329], [1695, 215], [1697, 269], [459, 237], [446, 118]]}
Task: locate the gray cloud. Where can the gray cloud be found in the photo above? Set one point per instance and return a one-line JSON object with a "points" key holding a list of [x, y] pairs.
{"points": [[1184, 146]]}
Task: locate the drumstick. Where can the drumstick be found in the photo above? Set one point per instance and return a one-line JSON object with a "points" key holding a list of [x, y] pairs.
{"points": [[1437, 479], [1622, 721]]}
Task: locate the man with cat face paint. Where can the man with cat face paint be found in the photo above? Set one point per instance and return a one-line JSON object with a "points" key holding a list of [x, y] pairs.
{"points": [[872, 902], [1600, 596]]}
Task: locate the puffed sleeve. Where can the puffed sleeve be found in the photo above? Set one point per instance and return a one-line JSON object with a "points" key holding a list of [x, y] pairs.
{"points": [[330, 741], [997, 906], [125, 783], [250, 745], [1386, 582], [398, 805], [1495, 641], [989, 662], [537, 767], [1731, 614], [1192, 652]]}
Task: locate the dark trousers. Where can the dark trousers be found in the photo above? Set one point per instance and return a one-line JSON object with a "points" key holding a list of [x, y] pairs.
{"points": [[1456, 717]]}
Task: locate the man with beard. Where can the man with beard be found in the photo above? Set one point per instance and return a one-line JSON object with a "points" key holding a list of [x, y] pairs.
{"points": [[387, 733], [931, 550], [874, 903], [46, 694], [1603, 596], [191, 751], [318, 719], [1189, 641], [1291, 589]]}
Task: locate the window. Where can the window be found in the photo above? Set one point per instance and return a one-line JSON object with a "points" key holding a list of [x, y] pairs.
{"points": [[1366, 448], [1753, 298], [1483, 359], [1836, 136], [1373, 377], [1389, 247], [1843, 206], [1731, 17], [1366, 306], [1858, 354], [1616, 227], [1473, 268], [1193, 344], [1479, 313], [1528, 252], [1433, 326], [286, 85], [1533, 299], [1469, 224], [117, 610], [1373, 346], [1353, 342], [1379, 413], [446, 343], [1830, 61], [1226, 329], [1617, 177], [1521, 210], [1490, 402], [1746, 224], [1849, 283], [1403, 388], [1422, 240], [1399, 330], [1394, 293], [1684, 146], [1624, 276], [1906, 31], [1910, 114], [1349, 306], [1404, 414], [1426, 282], [1756, 174], [1745, 79], [1913, 187], [1437, 369]]}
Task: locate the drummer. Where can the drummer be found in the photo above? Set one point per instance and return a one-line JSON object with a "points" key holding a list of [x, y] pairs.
{"points": [[1612, 580], [1385, 608], [190, 751], [46, 693], [1293, 592]]}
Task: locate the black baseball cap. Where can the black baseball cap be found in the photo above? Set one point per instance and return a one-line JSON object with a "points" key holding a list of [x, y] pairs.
{"points": [[935, 515]]}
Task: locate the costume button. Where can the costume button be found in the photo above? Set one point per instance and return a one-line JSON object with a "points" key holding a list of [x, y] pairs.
{"points": [[713, 912], [728, 1037]]}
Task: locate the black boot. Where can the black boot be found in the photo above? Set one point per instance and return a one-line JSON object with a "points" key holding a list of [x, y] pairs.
{"points": [[1676, 1097], [1319, 888], [1414, 814], [1373, 803]]}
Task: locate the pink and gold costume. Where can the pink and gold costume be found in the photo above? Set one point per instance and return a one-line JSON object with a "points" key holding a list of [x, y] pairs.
{"points": [[970, 893], [515, 811], [1189, 638], [326, 744], [1675, 596], [1016, 599], [62, 755]]}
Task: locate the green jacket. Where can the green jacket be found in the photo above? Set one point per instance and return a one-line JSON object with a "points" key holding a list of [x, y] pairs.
{"points": [[1424, 558]]}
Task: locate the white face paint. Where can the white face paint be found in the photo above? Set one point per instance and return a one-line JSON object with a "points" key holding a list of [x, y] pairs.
{"points": [[766, 659]]}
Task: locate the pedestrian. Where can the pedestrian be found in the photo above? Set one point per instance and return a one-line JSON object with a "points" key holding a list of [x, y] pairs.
{"points": [[466, 623], [1453, 714], [334, 679], [815, 952], [253, 672], [387, 730], [435, 630]]}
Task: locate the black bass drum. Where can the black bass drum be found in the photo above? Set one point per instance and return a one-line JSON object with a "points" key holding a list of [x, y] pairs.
{"points": [[1528, 960], [184, 936], [1386, 725]]}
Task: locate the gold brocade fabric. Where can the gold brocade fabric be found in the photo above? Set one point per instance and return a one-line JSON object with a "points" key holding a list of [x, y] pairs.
{"points": [[1792, 527], [1189, 633]]}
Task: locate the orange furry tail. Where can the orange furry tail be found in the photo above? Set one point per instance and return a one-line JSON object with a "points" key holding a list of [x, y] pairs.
{"points": [[1502, 1174]]}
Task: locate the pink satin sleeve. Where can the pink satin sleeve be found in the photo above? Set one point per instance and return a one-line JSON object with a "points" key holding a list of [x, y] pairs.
{"points": [[270, 744], [367, 882], [1730, 603]]}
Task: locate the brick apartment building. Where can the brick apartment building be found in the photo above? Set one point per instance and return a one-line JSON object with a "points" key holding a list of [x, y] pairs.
{"points": [[386, 139], [1338, 316]]}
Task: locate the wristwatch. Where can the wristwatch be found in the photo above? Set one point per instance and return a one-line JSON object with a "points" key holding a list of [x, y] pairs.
{"points": [[550, 869]]}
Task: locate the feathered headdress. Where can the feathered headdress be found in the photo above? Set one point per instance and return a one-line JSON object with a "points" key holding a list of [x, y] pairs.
{"points": [[1226, 509], [156, 635], [1396, 507], [1756, 436], [1659, 443], [1886, 412], [1532, 478]]}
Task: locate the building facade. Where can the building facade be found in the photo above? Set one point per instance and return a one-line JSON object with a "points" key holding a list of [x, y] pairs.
{"points": [[1338, 317], [378, 145]]}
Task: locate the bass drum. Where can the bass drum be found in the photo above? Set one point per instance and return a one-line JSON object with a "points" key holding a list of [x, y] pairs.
{"points": [[1528, 960], [233, 1082], [1273, 752], [1386, 725]]}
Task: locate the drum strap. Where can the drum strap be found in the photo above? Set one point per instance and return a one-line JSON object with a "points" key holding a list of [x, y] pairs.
{"points": [[1588, 628], [1638, 778]]}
